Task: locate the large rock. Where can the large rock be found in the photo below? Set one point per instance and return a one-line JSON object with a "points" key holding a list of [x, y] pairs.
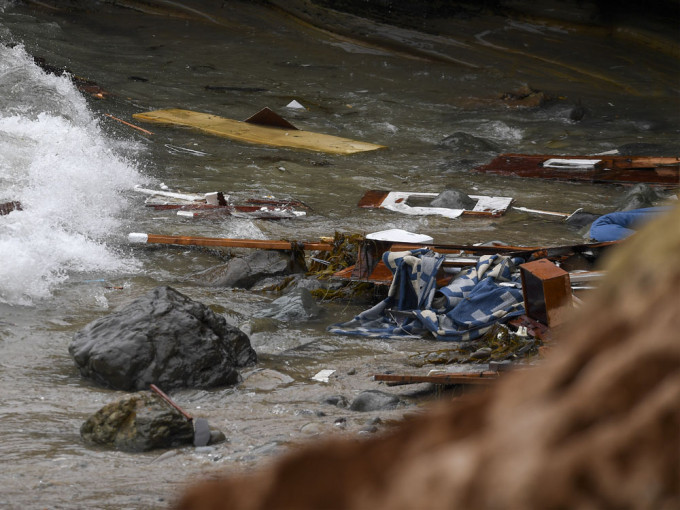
{"points": [[595, 426], [164, 338], [136, 423]]}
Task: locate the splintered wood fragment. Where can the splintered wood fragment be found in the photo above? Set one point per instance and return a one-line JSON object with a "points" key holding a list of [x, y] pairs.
{"points": [[171, 402], [8, 207], [128, 124]]}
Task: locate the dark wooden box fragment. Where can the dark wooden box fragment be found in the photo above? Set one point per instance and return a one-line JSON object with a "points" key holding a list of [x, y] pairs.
{"points": [[547, 291]]}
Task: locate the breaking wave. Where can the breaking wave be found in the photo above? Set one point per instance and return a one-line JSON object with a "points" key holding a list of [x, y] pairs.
{"points": [[68, 177]]}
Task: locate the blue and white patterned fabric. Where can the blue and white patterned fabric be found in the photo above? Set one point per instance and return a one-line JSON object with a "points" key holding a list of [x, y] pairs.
{"points": [[463, 310]]}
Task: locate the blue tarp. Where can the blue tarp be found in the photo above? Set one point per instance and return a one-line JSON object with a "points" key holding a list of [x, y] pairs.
{"points": [[619, 225], [463, 310]]}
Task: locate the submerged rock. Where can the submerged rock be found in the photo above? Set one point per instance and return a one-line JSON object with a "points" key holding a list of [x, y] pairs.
{"points": [[265, 379], [639, 196], [164, 338], [374, 400], [298, 304], [465, 143], [136, 423], [244, 272]]}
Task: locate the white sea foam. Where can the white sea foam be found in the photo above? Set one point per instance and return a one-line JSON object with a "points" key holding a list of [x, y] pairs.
{"points": [[68, 177], [499, 131]]}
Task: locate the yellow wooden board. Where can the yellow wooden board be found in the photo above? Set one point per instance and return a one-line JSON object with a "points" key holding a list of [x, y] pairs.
{"points": [[253, 133]]}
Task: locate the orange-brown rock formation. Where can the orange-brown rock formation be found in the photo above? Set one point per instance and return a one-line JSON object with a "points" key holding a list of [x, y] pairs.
{"points": [[596, 425]]}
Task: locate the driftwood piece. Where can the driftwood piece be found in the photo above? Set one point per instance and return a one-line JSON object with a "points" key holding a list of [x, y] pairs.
{"points": [[595, 426], [8, 207]]}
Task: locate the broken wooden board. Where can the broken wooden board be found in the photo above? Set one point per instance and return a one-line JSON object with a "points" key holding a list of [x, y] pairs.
{"points": [[252, 132], [213, 204], [398, 201], [370, 267], [664, 171]]}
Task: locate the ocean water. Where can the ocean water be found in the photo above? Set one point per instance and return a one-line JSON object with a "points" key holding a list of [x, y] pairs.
{"points": [[65, 259], [69, 177]]}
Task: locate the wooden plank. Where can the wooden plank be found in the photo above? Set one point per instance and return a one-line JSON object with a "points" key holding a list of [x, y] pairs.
{"points": [[482, 378], [224, 242], [258, 134], [611, 169]]}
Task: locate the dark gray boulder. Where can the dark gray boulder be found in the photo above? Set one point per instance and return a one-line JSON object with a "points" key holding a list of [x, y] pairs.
{"points": [[136, 423], [164, 338], [374, 400], [453, 199]]}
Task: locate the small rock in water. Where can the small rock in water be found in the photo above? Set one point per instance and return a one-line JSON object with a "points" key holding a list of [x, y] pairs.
{"points": [[374, 400], [639, 196], [265, 379], [335, 400], [298, 304], [312, 429], [453, 199], [138, 422], [217, 437]]}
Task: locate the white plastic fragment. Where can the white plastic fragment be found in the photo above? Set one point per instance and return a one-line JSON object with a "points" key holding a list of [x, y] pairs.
{"points": [[573, 164], [397, 235], [138, 238], [295, 105], [191, 197], [323, 375]]}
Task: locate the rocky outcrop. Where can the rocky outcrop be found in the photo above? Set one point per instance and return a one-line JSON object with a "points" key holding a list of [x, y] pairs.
{"points": [[595, 426], [162, 338]]}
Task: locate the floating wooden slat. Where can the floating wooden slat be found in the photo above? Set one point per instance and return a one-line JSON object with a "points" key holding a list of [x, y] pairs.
{"points": [[254, 133], [613, 169]]}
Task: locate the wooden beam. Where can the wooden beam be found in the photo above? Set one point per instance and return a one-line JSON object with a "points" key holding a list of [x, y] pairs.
{"points": [[482, 378], [224, 242]]}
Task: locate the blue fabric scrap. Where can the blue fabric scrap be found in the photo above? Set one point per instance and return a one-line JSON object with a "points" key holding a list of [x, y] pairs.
{"points": [[464, 310]]}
